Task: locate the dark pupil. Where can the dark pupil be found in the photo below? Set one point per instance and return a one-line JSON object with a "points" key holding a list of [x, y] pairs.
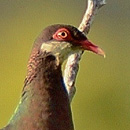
{"points": [[63, 34]]}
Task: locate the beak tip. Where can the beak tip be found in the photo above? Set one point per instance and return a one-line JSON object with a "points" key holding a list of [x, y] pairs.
{"points": [[101, 52], [104, 56]]}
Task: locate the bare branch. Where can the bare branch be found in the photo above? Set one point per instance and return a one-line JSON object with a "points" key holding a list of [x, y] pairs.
{"points": [[72, 65], [91, 11]]}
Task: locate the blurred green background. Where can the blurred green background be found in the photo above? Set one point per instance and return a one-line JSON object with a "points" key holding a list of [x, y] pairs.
{"points": [[102, 101]]}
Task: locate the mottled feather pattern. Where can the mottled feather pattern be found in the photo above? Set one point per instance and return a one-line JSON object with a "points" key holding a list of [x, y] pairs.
{"points": [[32, 66]]}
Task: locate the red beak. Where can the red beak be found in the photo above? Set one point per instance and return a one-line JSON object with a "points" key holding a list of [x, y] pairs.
{"points": [[87, 45]]}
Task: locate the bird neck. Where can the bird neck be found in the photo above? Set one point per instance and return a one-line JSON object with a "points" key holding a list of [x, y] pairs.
{"points": [[44, 103]]}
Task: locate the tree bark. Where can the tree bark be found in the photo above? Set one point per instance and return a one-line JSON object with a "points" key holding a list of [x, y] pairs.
{"points": [[72, 65]]}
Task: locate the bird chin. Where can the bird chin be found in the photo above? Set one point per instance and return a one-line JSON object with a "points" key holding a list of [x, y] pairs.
{"points": [[61, 50]]}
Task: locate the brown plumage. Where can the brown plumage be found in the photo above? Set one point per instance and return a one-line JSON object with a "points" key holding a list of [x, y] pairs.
{"points": [[44, 103]]}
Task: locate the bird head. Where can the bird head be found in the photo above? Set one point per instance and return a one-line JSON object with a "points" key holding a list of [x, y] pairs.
{"points": [[63, 40]]}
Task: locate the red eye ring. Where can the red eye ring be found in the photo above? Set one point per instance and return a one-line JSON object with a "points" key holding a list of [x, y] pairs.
{"points": [[62, 34]]}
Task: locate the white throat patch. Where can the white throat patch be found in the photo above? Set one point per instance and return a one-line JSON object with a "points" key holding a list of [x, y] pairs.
{"points": [[61, 50]]}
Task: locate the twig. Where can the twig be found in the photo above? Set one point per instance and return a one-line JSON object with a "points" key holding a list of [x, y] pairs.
{"points": [[72, 65]]}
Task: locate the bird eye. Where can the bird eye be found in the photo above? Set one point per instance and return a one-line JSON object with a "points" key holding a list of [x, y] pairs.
{"points": [[62, 34]]}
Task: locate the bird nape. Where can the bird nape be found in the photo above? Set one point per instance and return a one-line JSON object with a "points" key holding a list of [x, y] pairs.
{"points": [[44, 103]]}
